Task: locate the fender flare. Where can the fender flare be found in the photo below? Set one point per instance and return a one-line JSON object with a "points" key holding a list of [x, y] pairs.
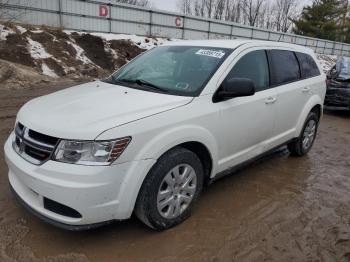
{"points": [[159, 145], [313, 101], [173, 137]]}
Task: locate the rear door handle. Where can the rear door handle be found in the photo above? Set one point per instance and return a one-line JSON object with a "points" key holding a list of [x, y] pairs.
{"points": [[306, 89], [270, 100]]}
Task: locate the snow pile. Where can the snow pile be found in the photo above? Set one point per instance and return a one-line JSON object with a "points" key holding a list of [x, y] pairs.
{"points": [[36, 50], [326, 61], [47, 71], [80, 54], [37, 31], [21, 29], [56, 53], [141, 41], [4, 32]]}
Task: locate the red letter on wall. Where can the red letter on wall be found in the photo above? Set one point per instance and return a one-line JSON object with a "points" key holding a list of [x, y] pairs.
{"points": [[178, 21], [103, 10]]}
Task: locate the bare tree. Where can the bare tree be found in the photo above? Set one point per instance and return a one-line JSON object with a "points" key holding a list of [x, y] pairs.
{"points": [[252, 10], [199, 8], [234, 11], [209, 6], [219, 9], [285, 10], [266, 18], [185, 6], [273, 15], [143, 3]]}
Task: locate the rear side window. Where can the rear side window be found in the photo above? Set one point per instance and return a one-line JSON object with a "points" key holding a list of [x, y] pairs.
{"points": [[253, 66], [284, 67], [308, 65]]}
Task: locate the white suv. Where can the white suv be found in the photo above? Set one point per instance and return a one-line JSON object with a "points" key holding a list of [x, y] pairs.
{"points": [[149, 137]]}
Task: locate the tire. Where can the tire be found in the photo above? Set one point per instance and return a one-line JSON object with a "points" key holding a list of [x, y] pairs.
{"points": [[162, 178], [297, 147]]}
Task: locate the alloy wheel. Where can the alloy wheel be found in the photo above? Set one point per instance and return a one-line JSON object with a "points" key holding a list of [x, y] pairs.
{"points": [[176, 191], [309, 134]]}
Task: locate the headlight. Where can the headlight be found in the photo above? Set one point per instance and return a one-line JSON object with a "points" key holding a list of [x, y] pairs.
{"points": [[90, 152]]}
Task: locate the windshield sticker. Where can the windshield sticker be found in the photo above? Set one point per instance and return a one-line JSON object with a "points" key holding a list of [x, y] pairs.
{"points": [[182, 85], [212, 53]]}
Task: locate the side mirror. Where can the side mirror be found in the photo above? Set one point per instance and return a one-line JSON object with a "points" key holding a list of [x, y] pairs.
{"points": [[235, 87]]}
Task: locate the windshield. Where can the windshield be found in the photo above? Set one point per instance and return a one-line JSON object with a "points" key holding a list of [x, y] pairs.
{"points": [[178, 70]]}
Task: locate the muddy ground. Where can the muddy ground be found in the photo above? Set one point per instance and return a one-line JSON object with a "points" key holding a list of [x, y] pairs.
{"points": [[279, 209]]}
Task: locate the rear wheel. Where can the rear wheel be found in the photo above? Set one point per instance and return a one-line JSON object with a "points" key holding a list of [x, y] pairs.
{"points": [[303, 144], [170, 189]]}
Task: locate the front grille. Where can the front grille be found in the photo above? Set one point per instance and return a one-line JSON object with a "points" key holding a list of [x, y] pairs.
{"points": [[33, 146], [37, 154]]}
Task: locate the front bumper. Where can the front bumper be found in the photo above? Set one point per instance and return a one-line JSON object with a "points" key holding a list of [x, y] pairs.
{"points": [[54, 222], [338, 97], [98, 193]]}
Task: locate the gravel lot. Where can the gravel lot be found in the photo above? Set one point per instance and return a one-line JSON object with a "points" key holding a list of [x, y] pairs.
{"points": [[278, 209]]}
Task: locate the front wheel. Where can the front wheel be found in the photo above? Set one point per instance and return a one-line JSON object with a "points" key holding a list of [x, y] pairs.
{"points": [[303, 144], [170, 189]]}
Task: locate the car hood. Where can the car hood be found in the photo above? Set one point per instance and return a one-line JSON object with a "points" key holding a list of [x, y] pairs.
{"points": [[84, 111]]}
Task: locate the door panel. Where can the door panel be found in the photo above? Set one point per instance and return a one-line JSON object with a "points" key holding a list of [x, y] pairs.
{"points": [[246, 123], [292, 94], [291, 99]]}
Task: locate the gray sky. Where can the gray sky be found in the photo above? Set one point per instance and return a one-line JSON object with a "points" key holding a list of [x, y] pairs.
{"points": [[170, 5]]}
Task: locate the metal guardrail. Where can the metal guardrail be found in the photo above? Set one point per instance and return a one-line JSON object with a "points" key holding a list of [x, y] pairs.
{"points": [[108, 17]]}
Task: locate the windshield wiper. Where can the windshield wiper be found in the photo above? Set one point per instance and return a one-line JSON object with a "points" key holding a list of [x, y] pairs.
{"points": [[142, 82]]}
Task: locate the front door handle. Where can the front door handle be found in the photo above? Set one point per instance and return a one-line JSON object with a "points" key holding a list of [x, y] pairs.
{"points": [[306, 89], [270, 100]]}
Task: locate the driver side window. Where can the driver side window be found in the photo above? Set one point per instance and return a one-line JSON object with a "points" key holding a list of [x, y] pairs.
{"points": [[253, 66]]}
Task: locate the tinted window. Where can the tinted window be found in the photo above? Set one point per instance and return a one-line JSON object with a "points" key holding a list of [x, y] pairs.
{"points": [[308, 65], [284, 67], [253, 66]]}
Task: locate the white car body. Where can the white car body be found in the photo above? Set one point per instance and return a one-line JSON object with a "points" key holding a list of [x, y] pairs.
{"points": [[232, 131]]}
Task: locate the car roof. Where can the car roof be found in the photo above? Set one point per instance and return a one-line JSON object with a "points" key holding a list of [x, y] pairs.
{"points": [[234, 43]]}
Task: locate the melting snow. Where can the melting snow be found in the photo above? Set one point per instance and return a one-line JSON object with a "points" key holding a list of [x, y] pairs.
{"points": [[80, 54], [141, 41], [326, 61], [4, 32], [47, 71], [21, 29], [37, 50], [37, 31]]}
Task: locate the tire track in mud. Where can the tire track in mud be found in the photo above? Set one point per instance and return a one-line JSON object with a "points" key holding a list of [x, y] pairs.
{"points": [[11, 248]]}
